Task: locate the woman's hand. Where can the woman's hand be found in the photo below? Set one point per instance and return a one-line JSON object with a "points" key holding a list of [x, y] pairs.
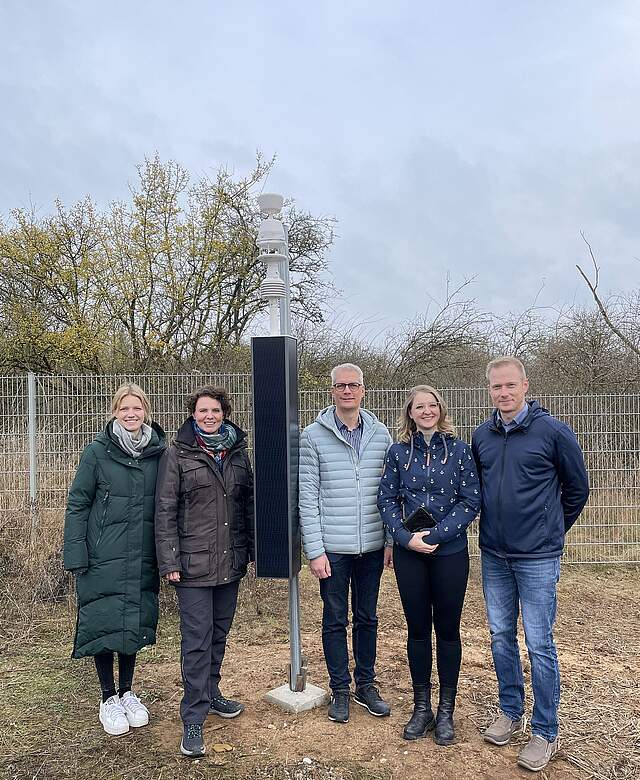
{"points": [[416, 543], [172, 576], [388, 557]]}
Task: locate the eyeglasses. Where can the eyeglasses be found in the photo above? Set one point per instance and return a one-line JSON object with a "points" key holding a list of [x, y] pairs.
{"points": [[353, 386]]}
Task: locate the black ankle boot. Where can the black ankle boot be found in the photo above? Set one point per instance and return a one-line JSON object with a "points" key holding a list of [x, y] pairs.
{"points": [[445, 733], [422, 719]]}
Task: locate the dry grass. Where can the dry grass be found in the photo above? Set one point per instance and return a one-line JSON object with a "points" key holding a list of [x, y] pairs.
{"points": [[48, 718]]}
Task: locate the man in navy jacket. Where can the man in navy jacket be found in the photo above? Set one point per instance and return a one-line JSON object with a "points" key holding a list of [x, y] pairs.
{"points": [[534, 486]]}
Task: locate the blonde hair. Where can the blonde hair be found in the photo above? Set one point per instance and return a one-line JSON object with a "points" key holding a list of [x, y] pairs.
{"points": [[137, 392], [408, 427], [506, 360]]}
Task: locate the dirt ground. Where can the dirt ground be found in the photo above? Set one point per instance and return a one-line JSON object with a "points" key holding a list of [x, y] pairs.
{"points": [[49, 727]]}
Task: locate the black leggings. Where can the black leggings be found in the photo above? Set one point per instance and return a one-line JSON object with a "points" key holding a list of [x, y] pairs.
{"points": [[104, 667], [432, 589]]}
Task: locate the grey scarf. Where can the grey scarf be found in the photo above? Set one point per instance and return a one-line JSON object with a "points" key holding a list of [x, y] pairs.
{"points": [[132, 445]]}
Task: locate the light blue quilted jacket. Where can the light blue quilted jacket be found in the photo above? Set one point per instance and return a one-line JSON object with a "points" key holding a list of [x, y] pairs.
{"points": [[339, 487]]}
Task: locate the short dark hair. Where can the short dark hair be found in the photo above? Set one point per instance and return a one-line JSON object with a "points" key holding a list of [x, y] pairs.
{"points": [[219, 393]]}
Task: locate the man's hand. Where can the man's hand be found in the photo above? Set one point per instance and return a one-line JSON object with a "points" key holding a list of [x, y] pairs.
{"points": [[416, 543], [172, 576], [388, 557], [320, 567]]}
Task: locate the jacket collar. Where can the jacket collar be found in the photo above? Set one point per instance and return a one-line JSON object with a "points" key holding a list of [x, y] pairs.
{"points": [[157, 444], [437, 440], [535, 411], [327, 419], [186, 437]]}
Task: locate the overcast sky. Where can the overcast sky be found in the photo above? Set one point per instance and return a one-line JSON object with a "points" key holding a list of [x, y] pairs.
{"points": [[465, 138]]}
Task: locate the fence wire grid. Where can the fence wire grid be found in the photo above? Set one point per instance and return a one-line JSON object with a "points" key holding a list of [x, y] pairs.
{"points": [[70, 410]]}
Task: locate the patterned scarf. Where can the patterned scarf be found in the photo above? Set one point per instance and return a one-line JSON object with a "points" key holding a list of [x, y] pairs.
{"points": [[216, 444], [132, 444]]}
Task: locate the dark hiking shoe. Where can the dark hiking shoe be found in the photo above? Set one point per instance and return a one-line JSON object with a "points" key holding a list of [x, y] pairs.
{"points": [[192, 741], [369, 697], [339, 706], [537, 753], [502, 729], [225, 708]]}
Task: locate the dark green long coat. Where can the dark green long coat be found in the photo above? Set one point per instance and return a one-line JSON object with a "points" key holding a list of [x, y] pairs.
{"points": [[108, 530]]}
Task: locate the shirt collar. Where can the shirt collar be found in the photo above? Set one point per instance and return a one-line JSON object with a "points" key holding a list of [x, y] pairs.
{"points": [[519, 418], [342, 426]]}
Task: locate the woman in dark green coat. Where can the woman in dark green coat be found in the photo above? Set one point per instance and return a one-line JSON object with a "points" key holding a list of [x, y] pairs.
{"points": [[109, 546]]}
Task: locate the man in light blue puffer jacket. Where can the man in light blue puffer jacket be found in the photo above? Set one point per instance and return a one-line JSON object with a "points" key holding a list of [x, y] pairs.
{"points": [[341, 459]]}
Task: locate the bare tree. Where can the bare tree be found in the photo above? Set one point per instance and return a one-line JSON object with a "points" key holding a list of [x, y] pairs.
{"points": [[443, 347], [632, 344]]}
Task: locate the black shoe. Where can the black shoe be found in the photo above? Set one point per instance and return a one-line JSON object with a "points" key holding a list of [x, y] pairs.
{"points": [[225, 708], [192, 742], [369, 697], [422, 721], [339, 706], [445, 734]]}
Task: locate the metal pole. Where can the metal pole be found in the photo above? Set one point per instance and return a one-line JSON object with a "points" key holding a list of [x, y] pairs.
{"points": [[297, 666], [33, 465], [297, 670]]}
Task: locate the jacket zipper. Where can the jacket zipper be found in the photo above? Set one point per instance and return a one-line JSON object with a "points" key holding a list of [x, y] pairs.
{"points": [[356, 465], [429, 471], [504, 457]]}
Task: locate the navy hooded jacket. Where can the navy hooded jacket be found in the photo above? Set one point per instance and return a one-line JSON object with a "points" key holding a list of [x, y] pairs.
{"points": [[439, 476], [534, 484]]}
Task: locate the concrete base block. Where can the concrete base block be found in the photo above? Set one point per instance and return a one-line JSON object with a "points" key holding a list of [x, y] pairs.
{"points": [[297, 701]]}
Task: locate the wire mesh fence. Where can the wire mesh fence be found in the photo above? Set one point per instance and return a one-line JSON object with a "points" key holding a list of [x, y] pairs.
{"points": [[71, 410]]}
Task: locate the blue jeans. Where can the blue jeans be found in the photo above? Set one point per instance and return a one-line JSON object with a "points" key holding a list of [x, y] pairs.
{"points": [[527, 584], [362, 573]]}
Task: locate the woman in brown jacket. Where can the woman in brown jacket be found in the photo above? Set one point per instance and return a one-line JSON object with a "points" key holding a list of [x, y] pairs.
{"points": [[204, 540]]}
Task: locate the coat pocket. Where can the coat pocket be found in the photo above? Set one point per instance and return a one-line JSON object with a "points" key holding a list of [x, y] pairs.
{"points": [[195, 475], [241, 475], [240, 558], [104, 509], [194, 559]]}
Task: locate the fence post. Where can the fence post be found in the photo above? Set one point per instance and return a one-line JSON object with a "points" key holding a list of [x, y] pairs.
{"points": [[33, 465]]}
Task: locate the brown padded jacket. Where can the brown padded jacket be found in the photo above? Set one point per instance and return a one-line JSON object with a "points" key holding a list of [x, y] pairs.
{"points": [[204, 516]]}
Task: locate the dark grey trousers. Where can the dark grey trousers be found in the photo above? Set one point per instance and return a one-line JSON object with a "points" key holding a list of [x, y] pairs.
{"points": [[206, 615]]}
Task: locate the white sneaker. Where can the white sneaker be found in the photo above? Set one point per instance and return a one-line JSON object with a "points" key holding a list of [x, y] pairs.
{"points": [[137, 714], [113, 717]]}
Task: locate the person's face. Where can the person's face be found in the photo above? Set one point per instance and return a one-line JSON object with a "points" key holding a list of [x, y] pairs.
{"points": [[507, 389], [130, 413], [425, 412], [346, 398], [208, 414]]}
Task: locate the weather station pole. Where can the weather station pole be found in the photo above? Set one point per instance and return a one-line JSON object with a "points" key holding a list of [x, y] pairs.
{"points": [[276, 434]]}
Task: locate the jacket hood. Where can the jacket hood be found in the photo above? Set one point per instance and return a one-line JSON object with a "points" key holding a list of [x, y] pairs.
{"points": [[187, 437], [535, 411], [438, 440], [327, 419]]}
